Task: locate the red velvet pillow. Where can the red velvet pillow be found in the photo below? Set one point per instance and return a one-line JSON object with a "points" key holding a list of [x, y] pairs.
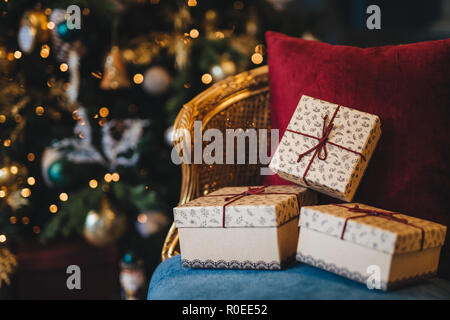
{"points": [[407, 86]]}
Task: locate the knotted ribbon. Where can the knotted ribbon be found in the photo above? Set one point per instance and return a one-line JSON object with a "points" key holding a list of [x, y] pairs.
{"points": [[230, 198], [380, 214], [322, 144]]}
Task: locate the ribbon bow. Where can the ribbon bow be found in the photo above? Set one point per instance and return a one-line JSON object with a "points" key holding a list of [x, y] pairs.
{"points": [[378, 213], [250, 191], [322, 143]]}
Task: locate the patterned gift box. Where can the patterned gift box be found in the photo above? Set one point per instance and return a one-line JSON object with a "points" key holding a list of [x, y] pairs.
{"points": [[242, 227], [326, 147], [381, 248]]}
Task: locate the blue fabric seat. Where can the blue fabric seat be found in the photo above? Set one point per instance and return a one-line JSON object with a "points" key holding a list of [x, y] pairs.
{"points": [[171, 281]]}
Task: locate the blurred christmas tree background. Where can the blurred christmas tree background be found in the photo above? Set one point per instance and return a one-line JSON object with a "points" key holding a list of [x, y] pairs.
{"points": [[86, 113]]}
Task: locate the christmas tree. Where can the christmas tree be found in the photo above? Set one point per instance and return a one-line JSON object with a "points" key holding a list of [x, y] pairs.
{"points": [[88, 93]]}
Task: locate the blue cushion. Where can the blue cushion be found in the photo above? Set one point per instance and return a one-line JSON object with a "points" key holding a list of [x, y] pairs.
{"points": [[171, 281]]}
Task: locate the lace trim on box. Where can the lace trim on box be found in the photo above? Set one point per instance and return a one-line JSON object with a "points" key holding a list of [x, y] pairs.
{"points": [[356, 276], [234, 264]]}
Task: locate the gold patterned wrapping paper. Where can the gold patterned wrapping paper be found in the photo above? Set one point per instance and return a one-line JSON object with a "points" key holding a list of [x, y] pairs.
{"points": [[338, 167], [274, 207], [374, 232]]}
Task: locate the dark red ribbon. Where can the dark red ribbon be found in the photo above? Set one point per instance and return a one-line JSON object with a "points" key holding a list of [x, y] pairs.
{"points": [[377, 213], [250, 191], [322, 144]]}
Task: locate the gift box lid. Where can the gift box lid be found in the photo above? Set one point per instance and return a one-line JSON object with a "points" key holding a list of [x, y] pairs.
{"points": [[351, 128], [272, 206], [378, 229]]}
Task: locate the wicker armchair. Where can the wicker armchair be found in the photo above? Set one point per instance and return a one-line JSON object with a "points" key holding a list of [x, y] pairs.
{"points": [[240, 101]]}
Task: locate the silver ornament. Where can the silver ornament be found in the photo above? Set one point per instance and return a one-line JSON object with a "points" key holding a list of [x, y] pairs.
{"points": [[151, 222], [156, 80]]}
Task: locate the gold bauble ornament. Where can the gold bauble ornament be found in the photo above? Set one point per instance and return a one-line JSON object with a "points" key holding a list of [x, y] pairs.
{"points": [[33, 29], [105, 226], [115, 75], [228, 66]]}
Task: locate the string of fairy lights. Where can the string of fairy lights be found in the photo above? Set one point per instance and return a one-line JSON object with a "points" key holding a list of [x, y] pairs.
{"points": [[25, 192], [256, 58], [53, 208]]}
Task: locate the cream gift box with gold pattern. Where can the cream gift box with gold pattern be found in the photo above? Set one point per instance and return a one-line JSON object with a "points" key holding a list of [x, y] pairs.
{"points": [[242, 227], [381, 248], [326, 147]]}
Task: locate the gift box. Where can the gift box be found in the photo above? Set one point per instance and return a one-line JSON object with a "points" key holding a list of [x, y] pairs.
{"points": [[326, 147], [242, 227], [381, 248]]}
